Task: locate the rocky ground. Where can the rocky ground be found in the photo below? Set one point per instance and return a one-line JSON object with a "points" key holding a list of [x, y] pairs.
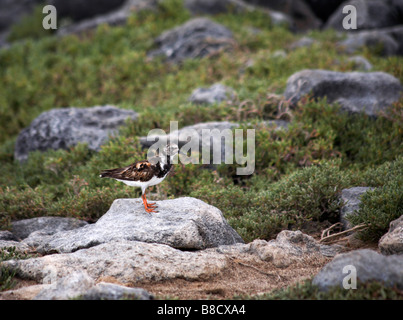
{"points": [[187, 250], [216, 236]]}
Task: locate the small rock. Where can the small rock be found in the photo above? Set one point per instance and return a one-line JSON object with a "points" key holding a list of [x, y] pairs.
{"points": [[355, 92], [299, 12], [290, 247], [111, 291], [185, 223], [67, 287], [197, 38], [323, 9], [128, 262], [212, 95], [279, 54], [79, 10], [392, 241], [351, 199], [361, 63], [369, 266], [303, 42], [371, 14], [66, 127], [212, 7], [114, 17], [386, 42]]}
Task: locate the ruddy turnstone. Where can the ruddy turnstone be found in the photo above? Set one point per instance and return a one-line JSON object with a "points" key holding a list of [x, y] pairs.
{"points": [[144, 173]]}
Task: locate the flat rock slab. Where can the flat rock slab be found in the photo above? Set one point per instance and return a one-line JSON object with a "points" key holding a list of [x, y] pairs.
{"points": [[355, 92], [133, 262], [21, 229], [184, 223], [129, 262]]}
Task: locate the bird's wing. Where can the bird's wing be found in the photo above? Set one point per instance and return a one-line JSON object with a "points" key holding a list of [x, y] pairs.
{"points": [[138, 171]]}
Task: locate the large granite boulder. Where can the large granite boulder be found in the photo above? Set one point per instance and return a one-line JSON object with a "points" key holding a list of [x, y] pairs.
{"points": [[355, 92], [66, 127]]}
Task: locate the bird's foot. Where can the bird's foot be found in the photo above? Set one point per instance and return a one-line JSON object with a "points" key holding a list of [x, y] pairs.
{"points": [[151, 205], [150, 209]]}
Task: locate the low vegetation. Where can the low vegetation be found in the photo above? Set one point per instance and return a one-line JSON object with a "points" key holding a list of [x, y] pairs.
{"points": [[300, 171], [307, 291]]}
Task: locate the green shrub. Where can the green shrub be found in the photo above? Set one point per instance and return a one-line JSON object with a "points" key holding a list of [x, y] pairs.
{"points": [[383, 204], [307, 291], [30, 26], [7, 275], [307, 194]]}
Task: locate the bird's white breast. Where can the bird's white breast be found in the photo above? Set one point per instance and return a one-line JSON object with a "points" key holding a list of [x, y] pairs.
{"points": [[144, 184]]}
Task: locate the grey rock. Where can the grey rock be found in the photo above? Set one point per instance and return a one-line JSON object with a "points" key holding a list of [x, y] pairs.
{"points": [[7, 236], [392, 241], [66, 127], [197, 38], [303, 42], [194, 133], [185, 223], [212, 7], [203, 7], [361, 63], [128, 262], [386, 42], [67, 287], [131, 262], [276, 124], [111, 291], [290, 247], [114, 17], [19, 246], [371, 14], [370, 266], [351, 199], [13, 10], [323, 9], [213, 94], [300, 13], [355, 92], [21, 229], [79, 285], [79, 10]]}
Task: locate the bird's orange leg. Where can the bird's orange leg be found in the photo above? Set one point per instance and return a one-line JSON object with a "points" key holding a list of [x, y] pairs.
{"points": [[148, 206]]}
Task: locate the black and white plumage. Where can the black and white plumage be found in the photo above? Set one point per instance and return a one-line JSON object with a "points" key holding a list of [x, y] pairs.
{"points": [[144, 173]]}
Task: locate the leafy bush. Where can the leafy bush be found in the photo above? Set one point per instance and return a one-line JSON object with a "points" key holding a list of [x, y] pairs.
{"points": [[307, 291], [30, 26], [383, 204], [7, 281], [307, 194]]}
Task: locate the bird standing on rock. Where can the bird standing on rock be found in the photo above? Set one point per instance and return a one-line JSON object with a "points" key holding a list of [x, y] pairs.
{"points": [[144, 173]]}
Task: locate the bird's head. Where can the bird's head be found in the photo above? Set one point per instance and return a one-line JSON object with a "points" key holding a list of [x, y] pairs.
{"points": [[170, 150]]}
